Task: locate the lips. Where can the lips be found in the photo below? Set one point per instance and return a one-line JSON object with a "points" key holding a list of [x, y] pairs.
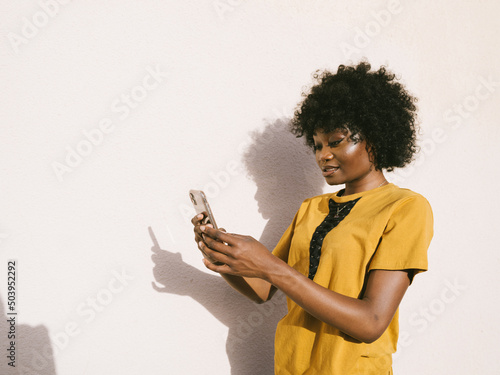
{"points": [[329, 170]]}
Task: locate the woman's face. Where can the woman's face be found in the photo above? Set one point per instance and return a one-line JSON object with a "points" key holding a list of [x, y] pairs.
{"points": [[345, 161]]}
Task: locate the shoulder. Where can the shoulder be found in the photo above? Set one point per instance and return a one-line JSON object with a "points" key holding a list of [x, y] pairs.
{"points": [[390, 200], [317, 199], [406, 198], [316, 202], [407, 208], [317, 205]]}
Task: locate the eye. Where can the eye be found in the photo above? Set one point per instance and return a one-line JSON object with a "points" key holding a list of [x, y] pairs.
{"points": [[335, 143], [317, 147]]}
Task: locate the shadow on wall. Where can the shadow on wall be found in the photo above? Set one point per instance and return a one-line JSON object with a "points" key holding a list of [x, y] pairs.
{"points": [[33, 348], [285, 173]]}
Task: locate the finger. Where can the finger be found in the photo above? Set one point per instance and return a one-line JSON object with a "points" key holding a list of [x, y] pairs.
{"points": [[216, 245], [197, 231], [236, 235], [218, 235], [197, 219], [197, 238], [209, 264], [213, 255], [224, 268], [205, 236], [203, 250]]}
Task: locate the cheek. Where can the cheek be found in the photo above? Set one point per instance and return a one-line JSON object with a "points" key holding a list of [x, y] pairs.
{"points": [[352, 151], [356, 154]]}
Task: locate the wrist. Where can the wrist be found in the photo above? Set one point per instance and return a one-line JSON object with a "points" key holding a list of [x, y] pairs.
{"points": [[277, 271]]}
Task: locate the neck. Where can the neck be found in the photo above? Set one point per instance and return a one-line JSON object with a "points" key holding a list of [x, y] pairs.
{"points": [[373, 182]]}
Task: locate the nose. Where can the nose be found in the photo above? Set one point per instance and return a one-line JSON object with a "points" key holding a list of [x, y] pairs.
{"points": [[325, 154]]}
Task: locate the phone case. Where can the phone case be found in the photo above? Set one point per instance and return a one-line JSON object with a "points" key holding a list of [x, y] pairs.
{"points": [[200, 204]]}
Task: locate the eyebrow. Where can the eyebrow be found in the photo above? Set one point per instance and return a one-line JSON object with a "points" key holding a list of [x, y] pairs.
{"points": [[339, 130]]}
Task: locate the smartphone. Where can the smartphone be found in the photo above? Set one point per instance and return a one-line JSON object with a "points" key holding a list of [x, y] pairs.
{"points": [[200, 203]]}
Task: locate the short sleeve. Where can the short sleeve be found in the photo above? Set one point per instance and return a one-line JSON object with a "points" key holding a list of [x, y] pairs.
{"points": [[406, 238]]}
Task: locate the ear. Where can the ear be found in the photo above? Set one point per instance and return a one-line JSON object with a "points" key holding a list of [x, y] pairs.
{"points": [[371, 154]]}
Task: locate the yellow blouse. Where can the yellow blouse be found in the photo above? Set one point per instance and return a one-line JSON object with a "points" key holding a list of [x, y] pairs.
{"points": [[389, 228]]}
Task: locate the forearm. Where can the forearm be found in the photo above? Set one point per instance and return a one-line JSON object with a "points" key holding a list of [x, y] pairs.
{"points": [[352, 316], [257, 290], [364, 319]]}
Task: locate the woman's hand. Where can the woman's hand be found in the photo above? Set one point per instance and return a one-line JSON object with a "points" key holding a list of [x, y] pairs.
{"points": [[257, 290], [197, 221], [240, 255]]}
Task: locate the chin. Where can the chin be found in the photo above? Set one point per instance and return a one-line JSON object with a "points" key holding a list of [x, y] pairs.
{"points": [[333, 183]]}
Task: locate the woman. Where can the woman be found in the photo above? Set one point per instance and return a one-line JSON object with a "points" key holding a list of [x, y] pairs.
{"points": [[347, 258]]}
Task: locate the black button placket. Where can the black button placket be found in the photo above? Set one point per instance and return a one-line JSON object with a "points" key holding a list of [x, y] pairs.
{"points": [[338, 212]]}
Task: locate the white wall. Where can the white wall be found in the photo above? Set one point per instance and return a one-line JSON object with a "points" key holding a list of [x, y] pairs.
{"points": [[108, 276]]}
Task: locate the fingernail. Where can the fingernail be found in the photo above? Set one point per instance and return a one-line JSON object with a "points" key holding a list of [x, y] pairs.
{"points": [[200, 244], [202, 228]]}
